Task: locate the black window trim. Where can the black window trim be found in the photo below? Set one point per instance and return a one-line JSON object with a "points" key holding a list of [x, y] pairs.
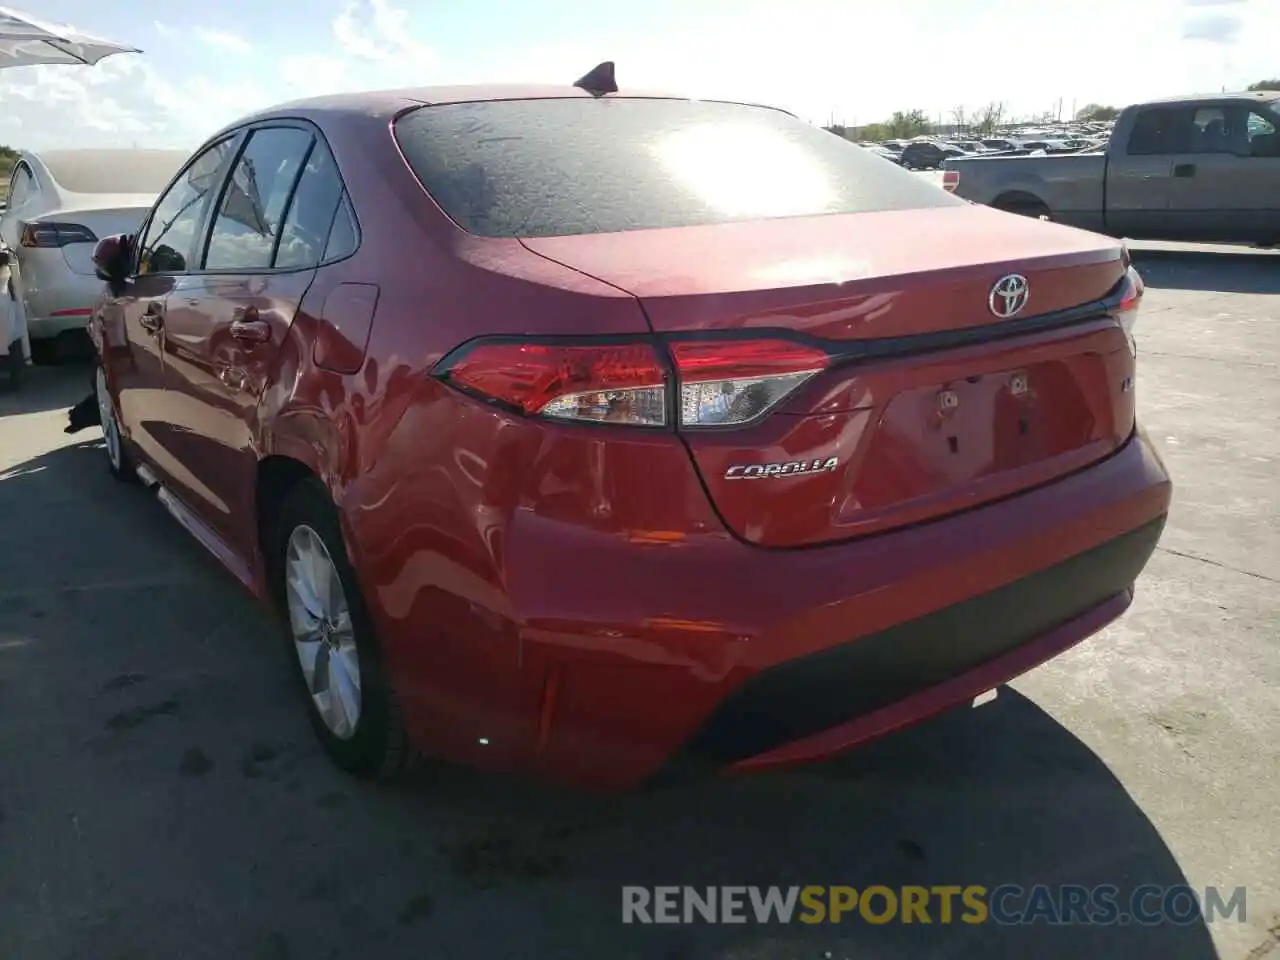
{"points": [[23, 164], [230, 137], [317, 137], [206, 232], [238, 137]]}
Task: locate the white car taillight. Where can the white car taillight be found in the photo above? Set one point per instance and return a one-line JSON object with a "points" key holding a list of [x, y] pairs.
{"points": [[733, 382]]}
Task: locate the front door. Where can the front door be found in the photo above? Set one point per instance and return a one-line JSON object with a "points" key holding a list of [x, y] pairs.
{"points": [[133, 323], [225, 323], [1140, 172]]}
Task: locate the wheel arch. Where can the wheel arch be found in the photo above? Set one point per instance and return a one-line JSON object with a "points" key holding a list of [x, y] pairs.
{"points": [[1021, 201]]}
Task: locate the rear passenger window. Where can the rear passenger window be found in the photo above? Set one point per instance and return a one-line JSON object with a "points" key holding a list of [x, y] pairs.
{"points": [[253, 202], [342, 238], [311, 213]]}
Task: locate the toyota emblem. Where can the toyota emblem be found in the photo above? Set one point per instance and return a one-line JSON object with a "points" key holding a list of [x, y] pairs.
{"points": [[1008, 296]]}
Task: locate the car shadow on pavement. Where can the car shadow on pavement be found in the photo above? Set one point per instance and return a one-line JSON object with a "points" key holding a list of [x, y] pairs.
{"points": [[1231, 270], [47, 388], [161, 795]]}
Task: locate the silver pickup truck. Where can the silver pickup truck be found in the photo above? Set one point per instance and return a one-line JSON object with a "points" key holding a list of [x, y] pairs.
{"points": [[1201, 168]]}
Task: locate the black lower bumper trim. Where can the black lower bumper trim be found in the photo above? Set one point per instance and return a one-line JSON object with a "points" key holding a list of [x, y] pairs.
{"points": [[813, 693]]}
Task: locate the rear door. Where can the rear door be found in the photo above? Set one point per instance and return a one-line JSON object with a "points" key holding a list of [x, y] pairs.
{"points": [[1256, 197], [1202, 188], [226, 321], [1140, 172]]}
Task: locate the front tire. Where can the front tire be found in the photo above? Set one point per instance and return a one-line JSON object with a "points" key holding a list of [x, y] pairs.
{"points": [[329, 634], [118, 460]]}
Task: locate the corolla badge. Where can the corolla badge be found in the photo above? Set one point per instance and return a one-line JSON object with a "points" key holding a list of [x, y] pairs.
{"points": [[786, 468], [1009, 296]]}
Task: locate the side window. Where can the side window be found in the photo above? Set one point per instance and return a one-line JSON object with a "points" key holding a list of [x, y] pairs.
{"points": [[1263, 139], [311, 212], [22, 187], [1161, 131], [1212, 131], [171, 233], [243, 236], [343, 236]]}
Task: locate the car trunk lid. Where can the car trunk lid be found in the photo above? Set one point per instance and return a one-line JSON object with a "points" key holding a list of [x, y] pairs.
{"points": [[931, 402], [120, 213]]}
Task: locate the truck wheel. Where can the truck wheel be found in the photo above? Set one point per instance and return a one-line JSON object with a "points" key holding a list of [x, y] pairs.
{"points": [[1024, 207]]}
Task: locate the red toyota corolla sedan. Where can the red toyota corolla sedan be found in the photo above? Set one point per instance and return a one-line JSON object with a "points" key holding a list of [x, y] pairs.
{"points": [[611, 437]]}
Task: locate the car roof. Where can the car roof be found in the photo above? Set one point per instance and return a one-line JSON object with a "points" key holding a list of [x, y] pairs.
{"points": [[63, 167], [1250, 96], [388, 103]]}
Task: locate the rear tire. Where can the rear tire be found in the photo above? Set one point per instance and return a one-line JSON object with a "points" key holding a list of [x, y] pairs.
{"points": [[330, 638], [1024, 207], [12, 367], [44, 353]]}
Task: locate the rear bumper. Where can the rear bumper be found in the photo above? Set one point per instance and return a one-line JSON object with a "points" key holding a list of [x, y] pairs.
{"points": [[730, 657], [55, 299], [822, 704]]}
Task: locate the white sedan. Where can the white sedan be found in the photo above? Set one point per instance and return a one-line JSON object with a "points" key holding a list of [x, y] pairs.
{"points": [[60, 203]]}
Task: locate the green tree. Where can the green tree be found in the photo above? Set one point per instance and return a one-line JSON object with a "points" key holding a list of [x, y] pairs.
{"points": [[8, 157], [873, 132], [903, 125], [840, 130], [1097, 111], [1265, 85]]}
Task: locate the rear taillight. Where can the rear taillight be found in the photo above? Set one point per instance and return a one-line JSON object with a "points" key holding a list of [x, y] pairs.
{"points": [[600, 383], [727, 383], [50, 234], [718, 383], [950, 180], [1126, 310]]}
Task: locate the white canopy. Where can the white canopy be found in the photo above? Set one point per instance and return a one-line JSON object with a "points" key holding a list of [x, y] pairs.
{"points": [[27, 42]]}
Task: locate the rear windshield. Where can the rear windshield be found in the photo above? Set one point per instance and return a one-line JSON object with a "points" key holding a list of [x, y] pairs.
{"points": [[542, 168], [114, 171]]}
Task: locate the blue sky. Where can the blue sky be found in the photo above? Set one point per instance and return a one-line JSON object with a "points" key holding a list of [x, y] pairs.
{"points": [[205, 65]]}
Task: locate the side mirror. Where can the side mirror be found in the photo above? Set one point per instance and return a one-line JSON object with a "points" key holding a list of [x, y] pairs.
{"points": [[111, 258]]}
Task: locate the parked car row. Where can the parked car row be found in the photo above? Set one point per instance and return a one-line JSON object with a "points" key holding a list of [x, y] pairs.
{"points": [[924, 153], [563, 453]]}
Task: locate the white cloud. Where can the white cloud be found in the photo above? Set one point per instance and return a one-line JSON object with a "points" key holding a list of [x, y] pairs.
{"points": [[799, 58], [1215, 29], [374, 30], [223, 40], [313, 75]]}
